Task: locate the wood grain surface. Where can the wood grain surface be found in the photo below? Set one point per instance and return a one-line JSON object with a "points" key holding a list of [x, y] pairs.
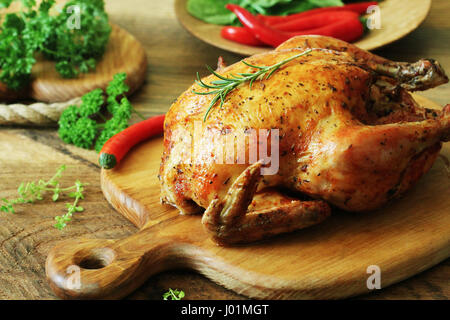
{"points": [[174, 56], [398, 18], [327, 261]]}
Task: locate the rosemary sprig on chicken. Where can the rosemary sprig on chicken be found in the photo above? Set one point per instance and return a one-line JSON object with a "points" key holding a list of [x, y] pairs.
{"points": [[221, 88]]}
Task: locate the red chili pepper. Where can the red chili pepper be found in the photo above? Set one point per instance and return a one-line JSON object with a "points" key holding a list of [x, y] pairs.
{"points": [[315, 21], [262, 32], [359, 8], [118, 146], [348, 29], [240, 35]]}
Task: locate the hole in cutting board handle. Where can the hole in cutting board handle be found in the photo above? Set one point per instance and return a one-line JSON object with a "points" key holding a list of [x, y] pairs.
{"points": [[96, 258], [108, 268]]}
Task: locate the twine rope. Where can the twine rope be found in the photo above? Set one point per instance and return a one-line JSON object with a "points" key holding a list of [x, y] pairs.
{"points": [[36, 114]]}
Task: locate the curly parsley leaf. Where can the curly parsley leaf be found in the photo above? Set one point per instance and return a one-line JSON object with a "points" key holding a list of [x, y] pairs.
{"points": [[117, 87], [77, 125], [4, 4], [74, 47], [91, 103], [16, 55]]}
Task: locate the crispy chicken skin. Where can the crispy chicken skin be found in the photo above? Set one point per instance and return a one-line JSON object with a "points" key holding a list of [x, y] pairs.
{"points": [[350, 135]]}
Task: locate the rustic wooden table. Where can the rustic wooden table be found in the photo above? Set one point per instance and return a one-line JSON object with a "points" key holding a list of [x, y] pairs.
{"points": [[174, 57]]}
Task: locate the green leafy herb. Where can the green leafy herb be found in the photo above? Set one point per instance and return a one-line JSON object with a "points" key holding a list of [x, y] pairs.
{"points": [[214, 11], [74, 47], [296, 6], [222, 87], [61, 221], [31, 192], [79, 125], [173, 295]]}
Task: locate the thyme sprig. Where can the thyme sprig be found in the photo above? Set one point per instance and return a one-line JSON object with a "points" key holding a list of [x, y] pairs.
{"points": [[173, 294], [222, 87], [61, 221], [31, 192]]}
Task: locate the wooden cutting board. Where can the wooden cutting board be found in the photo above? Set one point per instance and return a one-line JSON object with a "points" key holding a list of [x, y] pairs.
{"points": [[124, 53], [326, 261]]}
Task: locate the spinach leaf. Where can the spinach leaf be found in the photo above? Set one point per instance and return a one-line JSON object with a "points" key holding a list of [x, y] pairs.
{"points": [[300, 6], [214, 11], [262, 6]]}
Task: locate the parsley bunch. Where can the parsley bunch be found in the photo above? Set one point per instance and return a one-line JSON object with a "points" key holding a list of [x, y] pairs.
{"points": [[31, 192], [34, 29], [86, 126]]}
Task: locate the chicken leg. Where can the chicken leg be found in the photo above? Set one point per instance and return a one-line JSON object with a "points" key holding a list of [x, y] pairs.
{"points": [[369, 165], [229, 222], [421, 75]]}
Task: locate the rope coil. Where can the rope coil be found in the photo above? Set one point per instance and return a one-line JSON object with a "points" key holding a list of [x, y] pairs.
{"points": [[36, 114]]}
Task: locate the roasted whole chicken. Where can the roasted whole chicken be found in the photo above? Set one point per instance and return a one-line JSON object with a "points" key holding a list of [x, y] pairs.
{"points": [[349, 135]]}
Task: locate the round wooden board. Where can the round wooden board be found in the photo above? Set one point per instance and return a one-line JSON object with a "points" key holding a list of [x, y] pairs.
{"points": [[124, 53], [398, 18], [327, 261]]}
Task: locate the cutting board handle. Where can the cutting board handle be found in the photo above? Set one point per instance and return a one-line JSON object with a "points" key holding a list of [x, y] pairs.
{"points": [[106, 269]]}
